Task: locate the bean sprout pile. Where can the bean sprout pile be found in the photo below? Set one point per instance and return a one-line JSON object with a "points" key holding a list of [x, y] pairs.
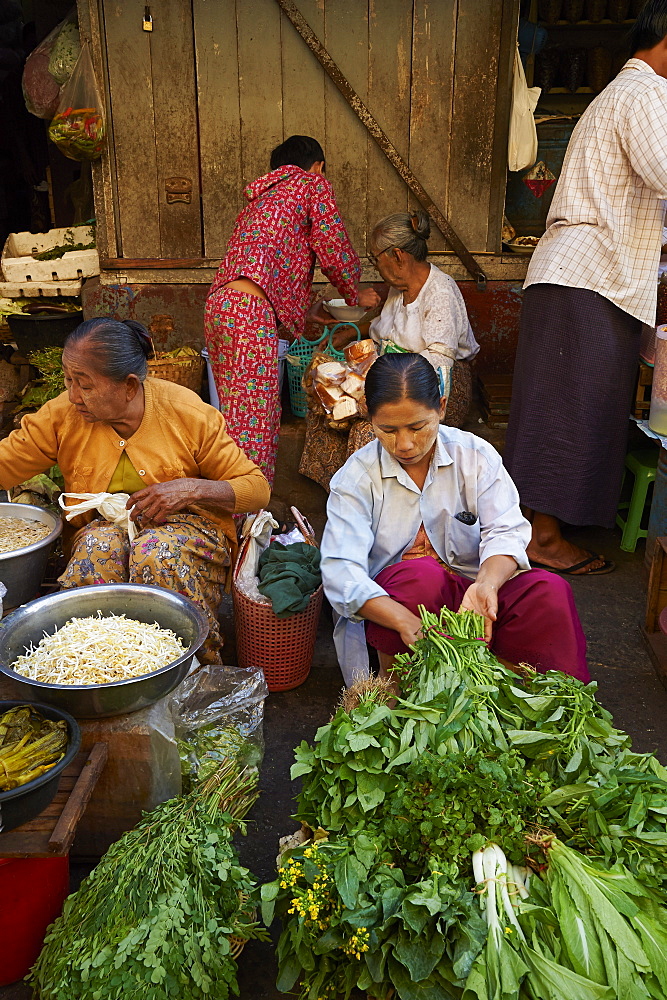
{"points": [[99, 650]]}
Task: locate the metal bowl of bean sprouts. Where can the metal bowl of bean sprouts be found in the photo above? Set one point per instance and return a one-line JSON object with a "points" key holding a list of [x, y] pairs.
{"points": [[160, 609], [22, 567]]}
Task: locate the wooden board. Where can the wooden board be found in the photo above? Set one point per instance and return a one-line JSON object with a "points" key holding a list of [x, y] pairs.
{"points": [[51, 833], [303, 78], [389, 75], [259, 84], [478, 29], [346, 38], [131, 94], [656, 597], [176, 138], [216, 54], [433, 38]]}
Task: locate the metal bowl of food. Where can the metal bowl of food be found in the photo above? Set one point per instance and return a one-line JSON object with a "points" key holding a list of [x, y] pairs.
{"points": [[339, 309], [23, 803], [22, 569], [137, 602]]}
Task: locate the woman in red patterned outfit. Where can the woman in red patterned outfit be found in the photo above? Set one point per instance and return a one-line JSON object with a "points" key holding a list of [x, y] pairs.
{"points": [[265, 278]]}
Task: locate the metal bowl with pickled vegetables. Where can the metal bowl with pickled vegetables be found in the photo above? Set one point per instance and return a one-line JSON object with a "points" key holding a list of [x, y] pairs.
{"points": [[151, 605], [22, 568]]}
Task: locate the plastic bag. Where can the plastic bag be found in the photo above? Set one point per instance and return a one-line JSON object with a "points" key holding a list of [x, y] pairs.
{"points": [[110, 505], [218, 712], [65, 51], [41, 92], [256, 537], [78, 129], [522, 144]]}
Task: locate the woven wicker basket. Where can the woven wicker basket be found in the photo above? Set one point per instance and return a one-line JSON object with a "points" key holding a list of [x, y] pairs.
{"points": [[185, 371], [281, 647]]}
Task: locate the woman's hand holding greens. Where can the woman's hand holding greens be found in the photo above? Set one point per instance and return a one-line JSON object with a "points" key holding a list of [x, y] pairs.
{"points": [[482, 595]]}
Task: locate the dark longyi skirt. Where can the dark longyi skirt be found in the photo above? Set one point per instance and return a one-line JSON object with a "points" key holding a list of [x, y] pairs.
{"points": [[574, 376]]}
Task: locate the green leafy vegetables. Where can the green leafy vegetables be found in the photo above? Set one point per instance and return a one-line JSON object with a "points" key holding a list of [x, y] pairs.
{"points": [[153, 920], [488, 835]]}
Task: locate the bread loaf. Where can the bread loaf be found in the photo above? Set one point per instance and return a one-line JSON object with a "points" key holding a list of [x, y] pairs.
{"points": [[328, 395], [354, 385], [344, 408], [330, 373]]}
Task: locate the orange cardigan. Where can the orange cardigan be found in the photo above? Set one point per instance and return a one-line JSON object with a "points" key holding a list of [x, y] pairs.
{"points": [[179, 437]]}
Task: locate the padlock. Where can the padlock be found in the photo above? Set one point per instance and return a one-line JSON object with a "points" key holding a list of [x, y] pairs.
{"points": [[148, 19]]}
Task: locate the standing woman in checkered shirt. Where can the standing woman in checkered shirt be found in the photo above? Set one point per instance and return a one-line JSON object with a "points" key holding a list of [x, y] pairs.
{"points": [[589, 288]]}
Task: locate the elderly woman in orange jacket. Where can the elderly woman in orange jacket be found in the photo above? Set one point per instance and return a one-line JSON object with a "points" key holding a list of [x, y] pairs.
{"points": [[116, 431]]}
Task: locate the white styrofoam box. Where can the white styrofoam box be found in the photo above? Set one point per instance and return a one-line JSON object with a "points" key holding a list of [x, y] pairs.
{"points": [[283, 347], [16, 290], [19, 265]]}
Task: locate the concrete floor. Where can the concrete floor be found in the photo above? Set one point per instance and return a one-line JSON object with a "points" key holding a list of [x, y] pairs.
{"points": [[611, 609]]}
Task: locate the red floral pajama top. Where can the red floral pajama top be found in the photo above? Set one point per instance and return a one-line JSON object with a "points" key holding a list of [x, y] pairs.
{"points": [[291, 219]]}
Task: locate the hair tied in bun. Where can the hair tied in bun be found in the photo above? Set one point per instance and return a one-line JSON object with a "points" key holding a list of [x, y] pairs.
{"points": [[143, 336], [414, 222]]}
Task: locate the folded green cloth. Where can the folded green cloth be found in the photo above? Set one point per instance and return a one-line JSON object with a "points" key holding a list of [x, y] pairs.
{"points": [[288, 575]]}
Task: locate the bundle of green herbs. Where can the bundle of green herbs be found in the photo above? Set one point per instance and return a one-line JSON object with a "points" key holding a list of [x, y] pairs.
{"points": [[154, 918]]}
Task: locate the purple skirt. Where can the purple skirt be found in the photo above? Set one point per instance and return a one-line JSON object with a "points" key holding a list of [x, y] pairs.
{"points": [[574, 375], [537, 619]]}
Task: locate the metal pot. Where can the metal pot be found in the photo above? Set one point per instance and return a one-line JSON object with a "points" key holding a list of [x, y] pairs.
{"points": [[21, 804], [22, 570], [142, 603]]}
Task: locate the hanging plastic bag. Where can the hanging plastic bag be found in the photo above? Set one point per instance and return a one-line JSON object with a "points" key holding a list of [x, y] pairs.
{"points": [[256, 534], [522, 145], [66, 50], [41, 92], [218, 712], [110, 505], [78, 128]]}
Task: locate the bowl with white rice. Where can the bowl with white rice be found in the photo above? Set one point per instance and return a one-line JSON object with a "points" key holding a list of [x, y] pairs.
{"points": [[102, 650]]}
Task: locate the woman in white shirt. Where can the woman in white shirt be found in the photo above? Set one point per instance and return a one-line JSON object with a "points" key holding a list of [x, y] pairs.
{"points": [[426, 514], [423, 309]]}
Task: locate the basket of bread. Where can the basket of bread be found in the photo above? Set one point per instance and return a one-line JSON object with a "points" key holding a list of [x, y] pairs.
{"points": [[338, 388]]}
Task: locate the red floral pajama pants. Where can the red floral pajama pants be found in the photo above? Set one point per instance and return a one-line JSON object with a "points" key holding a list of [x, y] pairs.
{"points": [[242, 343]]}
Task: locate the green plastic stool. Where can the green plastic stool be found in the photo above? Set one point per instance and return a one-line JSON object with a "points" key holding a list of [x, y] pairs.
{"points": [[642, 464]]}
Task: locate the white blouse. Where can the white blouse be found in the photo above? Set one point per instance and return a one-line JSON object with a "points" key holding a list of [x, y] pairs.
{"points": [[435, 325]]}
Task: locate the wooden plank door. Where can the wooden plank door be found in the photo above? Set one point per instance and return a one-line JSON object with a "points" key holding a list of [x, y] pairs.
{"points": [[154, 109]]}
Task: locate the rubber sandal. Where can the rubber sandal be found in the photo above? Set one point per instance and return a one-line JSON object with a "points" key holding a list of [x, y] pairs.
{"points": [[607, 567], [284, 528]]}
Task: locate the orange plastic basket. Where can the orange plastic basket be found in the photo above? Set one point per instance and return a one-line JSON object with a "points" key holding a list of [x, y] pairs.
{"points": [[281, 647]]}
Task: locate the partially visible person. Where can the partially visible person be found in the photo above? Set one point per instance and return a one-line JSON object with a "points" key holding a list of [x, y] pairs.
{"points": [[428, 515], [116, 431], [423, 312], [590, 286], [265, 278]]}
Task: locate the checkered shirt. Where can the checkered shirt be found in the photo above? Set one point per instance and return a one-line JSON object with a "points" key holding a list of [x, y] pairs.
{"points": [[604, 227]]}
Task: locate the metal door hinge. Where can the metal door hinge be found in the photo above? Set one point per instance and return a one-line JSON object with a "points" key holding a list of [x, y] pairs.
{"points": [[178, 189]]}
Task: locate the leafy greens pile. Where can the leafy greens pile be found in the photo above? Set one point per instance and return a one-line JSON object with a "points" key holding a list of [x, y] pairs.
{"points": [[490, 837], [154, 918]]}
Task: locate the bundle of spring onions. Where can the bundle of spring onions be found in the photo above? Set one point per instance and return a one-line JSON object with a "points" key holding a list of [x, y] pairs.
{"points": [[29, 745]]}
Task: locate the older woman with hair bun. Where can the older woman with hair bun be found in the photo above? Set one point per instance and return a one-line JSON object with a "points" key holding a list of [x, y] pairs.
{"points": [[422, 312], [114, 430]]}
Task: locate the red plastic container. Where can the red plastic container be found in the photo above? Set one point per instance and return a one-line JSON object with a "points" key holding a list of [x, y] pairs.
{"points": [[32, 893]]}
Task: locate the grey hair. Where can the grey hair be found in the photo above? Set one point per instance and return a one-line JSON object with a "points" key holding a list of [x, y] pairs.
{"points": [[404, 231], [119, 349]]}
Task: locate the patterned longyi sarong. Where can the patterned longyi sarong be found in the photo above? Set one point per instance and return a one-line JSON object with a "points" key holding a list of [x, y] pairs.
{"points": [[188, 554], [242, 344]]}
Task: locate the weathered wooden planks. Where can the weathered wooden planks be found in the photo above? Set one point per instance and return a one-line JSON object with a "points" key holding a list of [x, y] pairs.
{"points": [[131, 94], [389, 74], [433, 38], [303, 77], [176, 140], [478, 30], [346, 38], [260, 84]]}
